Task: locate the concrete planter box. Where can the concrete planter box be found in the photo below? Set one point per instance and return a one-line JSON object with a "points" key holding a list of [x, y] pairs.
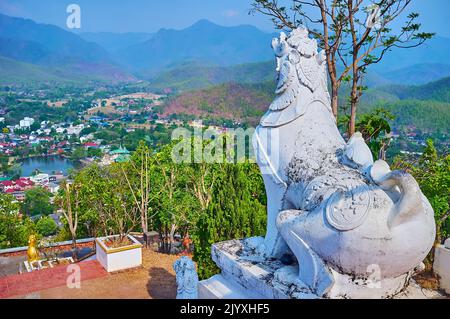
{"points": [[114, 259], [442, 265]]}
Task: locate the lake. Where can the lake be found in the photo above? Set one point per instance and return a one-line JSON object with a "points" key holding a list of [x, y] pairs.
{"points": [[47, 164]]}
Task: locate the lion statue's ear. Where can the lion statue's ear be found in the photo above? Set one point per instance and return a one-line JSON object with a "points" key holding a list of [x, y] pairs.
{"points": [[294, 57]]}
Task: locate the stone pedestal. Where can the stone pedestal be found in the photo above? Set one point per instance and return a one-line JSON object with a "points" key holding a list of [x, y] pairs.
{"points": [[442, 265], [219, 287], [245, 274]]}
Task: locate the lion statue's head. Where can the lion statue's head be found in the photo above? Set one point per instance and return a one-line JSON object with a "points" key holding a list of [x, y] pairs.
{"points": [[298, 64]]}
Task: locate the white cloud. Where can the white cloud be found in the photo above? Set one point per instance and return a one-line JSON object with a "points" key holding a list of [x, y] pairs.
{"points": [[230, 13], [12, 9]]}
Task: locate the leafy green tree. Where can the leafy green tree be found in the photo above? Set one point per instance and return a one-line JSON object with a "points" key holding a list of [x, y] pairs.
{"points": [[46, 226], [432, 172], [68, 201], [102, 202], [374, 127], [94, 152], [137, 175], [35, 126], [4, 163], [231, 213], [172, 198], [14, 229], [77, 202], [117, 212], [37, 201], [173, 206], [78, 153], [14, 171]]}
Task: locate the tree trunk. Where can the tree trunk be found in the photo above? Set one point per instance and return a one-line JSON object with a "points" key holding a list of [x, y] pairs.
{"points": [[144, 224], [172, 233], [353, 103], [334, 101], [74, 247], [352, 124], [437, 242]]}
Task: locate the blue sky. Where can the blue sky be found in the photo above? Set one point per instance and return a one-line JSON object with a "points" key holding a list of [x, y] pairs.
{"points": [[151, 15]]}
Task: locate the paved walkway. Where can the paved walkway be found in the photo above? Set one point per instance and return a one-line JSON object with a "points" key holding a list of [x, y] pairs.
{"points": [[156, 279], [11, 265], [27, 283]]}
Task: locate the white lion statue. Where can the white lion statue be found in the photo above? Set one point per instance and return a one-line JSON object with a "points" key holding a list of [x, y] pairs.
{"points": [[343, 216]]}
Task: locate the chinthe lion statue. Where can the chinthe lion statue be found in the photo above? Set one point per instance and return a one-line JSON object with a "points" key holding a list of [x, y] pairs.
{"points": [[343, 216]]}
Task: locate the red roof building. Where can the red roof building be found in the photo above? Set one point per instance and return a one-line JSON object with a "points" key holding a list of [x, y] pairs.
{"points": [[7, 183], [91, 144], [19, 185]]}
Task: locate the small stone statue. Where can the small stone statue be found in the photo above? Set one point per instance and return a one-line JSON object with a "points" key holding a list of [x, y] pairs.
{"points": [[187, 278], [32, 252]]}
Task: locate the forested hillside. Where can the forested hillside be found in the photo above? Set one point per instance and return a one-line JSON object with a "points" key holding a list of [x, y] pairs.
{"points": [[238, 102], [426, 107], [192, 75], [437, 91]]}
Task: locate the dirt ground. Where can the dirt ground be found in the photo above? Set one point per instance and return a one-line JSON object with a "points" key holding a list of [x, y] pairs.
{"points": [[155, 280]]}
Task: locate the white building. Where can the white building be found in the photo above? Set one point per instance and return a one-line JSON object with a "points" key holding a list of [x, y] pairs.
{"points": [[86, 138], [75, 129], [26, 122], [41, 179], [53, 188]]}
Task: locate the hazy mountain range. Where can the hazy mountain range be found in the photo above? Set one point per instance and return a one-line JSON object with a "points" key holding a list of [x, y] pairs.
{"points": [[48, 49], [114, 42], [204, 41], [199, 56]]}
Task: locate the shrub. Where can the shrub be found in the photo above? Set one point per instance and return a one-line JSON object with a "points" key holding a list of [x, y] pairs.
{"points": [[46, 226]]}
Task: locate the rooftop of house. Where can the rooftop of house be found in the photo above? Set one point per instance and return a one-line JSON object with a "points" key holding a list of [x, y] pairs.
{"points": [[7, 183], [18, 184], [90, 144], [122, 158], [120, 150]]}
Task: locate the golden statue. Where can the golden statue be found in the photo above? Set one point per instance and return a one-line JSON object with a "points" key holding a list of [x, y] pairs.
{"points": [[32, 252]]}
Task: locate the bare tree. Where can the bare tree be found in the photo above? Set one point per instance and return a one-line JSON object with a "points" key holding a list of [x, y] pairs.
{"points": [[202, 181], [353, 33], [170, 175], [141, 193], [118, 211], [70, 214]]}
